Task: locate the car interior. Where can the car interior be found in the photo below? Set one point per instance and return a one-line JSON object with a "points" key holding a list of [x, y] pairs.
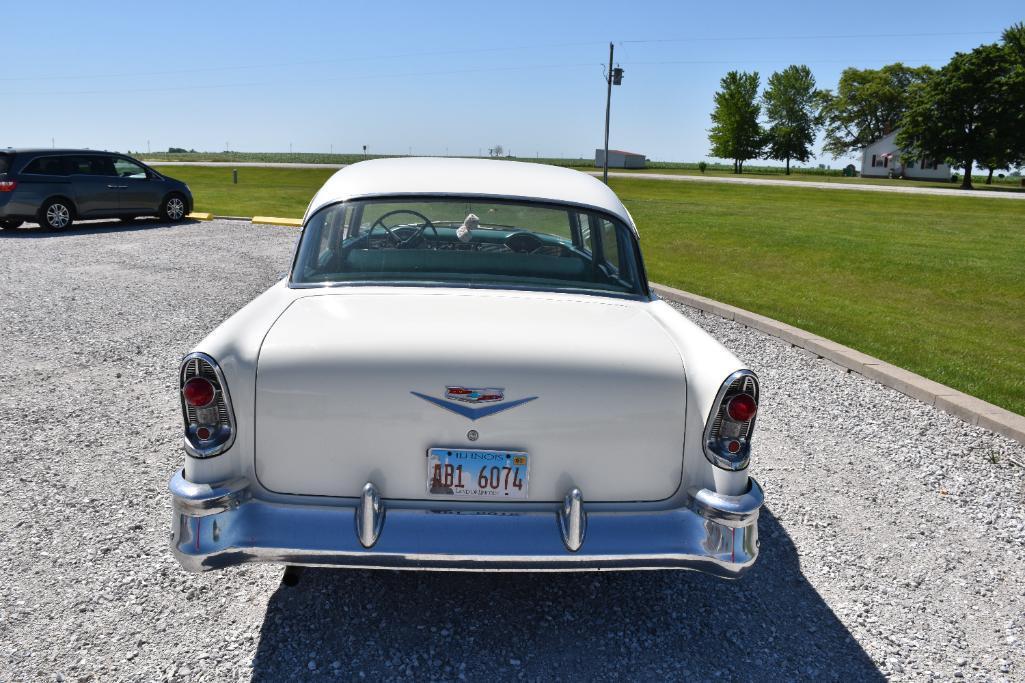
{"points": [[367, 241]]}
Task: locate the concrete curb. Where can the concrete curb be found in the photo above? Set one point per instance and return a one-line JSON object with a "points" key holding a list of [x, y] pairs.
{"points": [[970, 409], [201, 216], [271, 220]]}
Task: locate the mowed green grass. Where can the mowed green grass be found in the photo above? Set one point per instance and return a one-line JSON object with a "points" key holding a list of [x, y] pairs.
{"points": [[932, 284], [283, 192]]}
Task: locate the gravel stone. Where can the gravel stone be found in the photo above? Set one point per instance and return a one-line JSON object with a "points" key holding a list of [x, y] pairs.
{"points": [[892, 538]]}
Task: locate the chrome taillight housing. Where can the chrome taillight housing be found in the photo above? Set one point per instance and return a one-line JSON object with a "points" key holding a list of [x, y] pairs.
{"points": [[206, 407], [727, 438]]}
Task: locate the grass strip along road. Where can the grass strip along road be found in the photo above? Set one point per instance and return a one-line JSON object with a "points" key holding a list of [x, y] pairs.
{"points": [[935, 285]]}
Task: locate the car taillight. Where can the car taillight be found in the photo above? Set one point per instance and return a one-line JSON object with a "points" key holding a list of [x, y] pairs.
{"points": [[8, 185], [206, 407], [199, 392], [727, 438], [741, 408]]}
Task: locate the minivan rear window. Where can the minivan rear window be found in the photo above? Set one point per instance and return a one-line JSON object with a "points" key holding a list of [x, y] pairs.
{"points": [[5, 162], [48, 165]]}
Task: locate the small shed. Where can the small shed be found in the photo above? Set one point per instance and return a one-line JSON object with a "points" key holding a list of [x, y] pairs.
{"points": [[619, 159]]}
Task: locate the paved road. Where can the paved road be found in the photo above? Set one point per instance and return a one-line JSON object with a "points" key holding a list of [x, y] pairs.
{"points": [[892, 539], [858, 187]]}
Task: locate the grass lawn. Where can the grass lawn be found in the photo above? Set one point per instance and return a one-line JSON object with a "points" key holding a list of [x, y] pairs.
{"points": [[260, 191], [932, 284]]}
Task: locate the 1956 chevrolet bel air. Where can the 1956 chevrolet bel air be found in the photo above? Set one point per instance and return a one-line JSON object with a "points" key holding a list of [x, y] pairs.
{"points": [[465, 369]]}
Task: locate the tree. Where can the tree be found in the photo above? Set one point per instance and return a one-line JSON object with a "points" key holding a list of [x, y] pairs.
{"points": [[790, 104], [970, 111], [735, 132], [868, 104]]}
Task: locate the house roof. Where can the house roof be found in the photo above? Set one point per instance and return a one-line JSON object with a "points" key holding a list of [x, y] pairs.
{"points": [[468, 177]]}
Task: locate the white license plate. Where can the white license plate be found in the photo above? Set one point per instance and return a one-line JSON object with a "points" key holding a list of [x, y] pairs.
{"points": [[477, 474]]}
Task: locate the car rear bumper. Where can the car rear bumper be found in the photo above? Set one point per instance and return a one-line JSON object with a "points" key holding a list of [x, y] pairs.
{"points": [[223, 525]]}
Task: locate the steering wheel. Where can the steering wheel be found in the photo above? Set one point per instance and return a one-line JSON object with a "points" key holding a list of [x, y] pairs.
{"points": [[523, 242], [415, 233]]}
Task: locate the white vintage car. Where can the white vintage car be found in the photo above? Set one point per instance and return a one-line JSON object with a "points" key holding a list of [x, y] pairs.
{"points": [[465, 369]]}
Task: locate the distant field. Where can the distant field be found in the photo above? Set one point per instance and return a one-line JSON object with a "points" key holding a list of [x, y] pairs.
{"points": [[932, 284], [685, 168]]}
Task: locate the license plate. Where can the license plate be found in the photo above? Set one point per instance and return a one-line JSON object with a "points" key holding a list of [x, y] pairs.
{"points": [[477, 474]]}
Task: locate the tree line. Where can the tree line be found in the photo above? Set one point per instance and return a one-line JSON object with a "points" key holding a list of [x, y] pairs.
{"points": [[970, 112]]}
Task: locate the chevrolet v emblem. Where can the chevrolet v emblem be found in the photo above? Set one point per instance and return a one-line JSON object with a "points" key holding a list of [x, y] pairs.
{"points": [[470, 411]]}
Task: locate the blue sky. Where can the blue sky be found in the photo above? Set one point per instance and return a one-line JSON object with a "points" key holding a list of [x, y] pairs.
{"points": [[433, 77]]}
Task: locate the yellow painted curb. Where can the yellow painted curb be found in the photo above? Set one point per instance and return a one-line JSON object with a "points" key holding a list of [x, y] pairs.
{"points": [[270, 220], [201, 216]]}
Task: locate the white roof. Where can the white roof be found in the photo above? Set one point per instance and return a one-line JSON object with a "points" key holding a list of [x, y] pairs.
{"points": [[477, 177]]}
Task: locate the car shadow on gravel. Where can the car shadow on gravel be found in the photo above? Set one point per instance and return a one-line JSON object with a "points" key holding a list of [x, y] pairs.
{"points": [[29, 231], [609, 625]]}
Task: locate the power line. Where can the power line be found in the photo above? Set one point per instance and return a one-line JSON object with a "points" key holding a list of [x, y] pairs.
{"points": [[350, 77], [839, 36], [482, 70], [787, 61], [274, 65], [440, 53]]}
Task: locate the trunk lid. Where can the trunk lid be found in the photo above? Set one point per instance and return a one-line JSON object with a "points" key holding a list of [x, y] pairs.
{"points": [[342, 380]]}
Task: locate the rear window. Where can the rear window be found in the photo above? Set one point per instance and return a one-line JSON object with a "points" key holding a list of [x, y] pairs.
{"points": [[468, 242], [48, 165], [5, 162]]}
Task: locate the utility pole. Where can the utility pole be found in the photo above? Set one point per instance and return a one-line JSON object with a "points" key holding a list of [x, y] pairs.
{"points": [[613, 77]]}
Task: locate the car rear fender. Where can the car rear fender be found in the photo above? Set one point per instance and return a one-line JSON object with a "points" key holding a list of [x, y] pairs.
{"points": [[707, 363]]}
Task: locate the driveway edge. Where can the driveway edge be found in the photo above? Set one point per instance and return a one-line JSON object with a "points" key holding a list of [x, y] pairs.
{"points": [[970, 409]]}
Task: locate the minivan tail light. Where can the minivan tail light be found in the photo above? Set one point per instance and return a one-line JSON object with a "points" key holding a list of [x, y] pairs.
{"points": [[206, 407], [8, 185], [727, 438]]}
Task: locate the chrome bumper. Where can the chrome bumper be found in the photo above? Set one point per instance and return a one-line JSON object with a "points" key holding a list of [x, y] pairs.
{"points": [[222, 525]]}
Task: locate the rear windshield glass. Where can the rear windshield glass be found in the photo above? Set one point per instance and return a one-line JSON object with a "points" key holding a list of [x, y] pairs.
{"points": [[5, 162], [48, 165], [468, 242]]}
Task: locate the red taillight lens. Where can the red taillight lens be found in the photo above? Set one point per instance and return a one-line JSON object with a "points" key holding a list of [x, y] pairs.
{"points": [[198, 392], [8, 185], [742, 407]]}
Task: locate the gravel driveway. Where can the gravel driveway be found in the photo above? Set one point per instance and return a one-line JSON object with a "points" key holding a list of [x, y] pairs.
{"points": [[892, 540]]}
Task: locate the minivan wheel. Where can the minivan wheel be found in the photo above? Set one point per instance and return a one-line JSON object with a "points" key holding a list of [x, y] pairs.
{"points": [[173, 208], [9, 224], [56, 214]]}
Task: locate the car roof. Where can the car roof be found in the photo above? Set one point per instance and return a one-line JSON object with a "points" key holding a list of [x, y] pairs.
{"points": [[419, 176], [48, 150]]}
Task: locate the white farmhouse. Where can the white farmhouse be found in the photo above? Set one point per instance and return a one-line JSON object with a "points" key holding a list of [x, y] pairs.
{"points": [[882, 159]]}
